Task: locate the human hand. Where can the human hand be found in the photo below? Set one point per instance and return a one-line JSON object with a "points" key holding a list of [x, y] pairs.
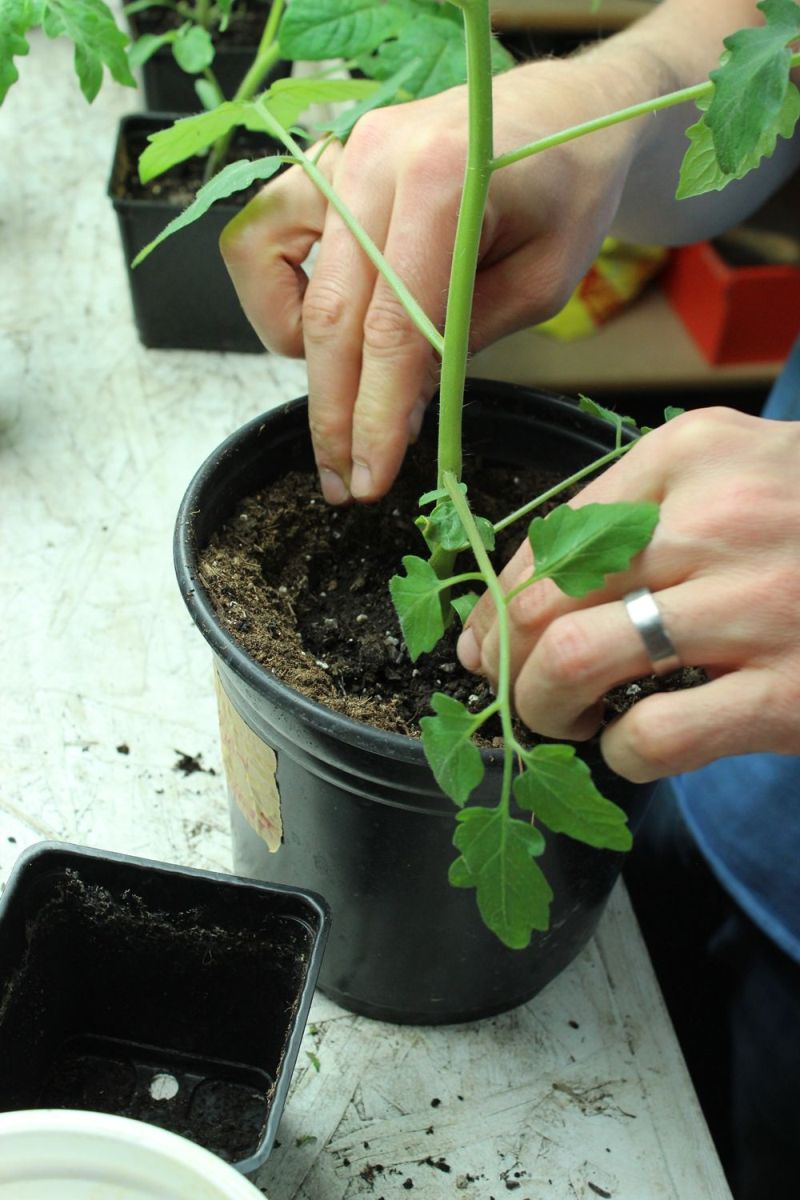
{"points": [[725, 569], [370, 372]]}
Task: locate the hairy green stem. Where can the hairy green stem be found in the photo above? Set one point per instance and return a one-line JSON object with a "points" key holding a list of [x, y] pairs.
{"points": [[489, 575], [266, 56], [414, 310], [696, 92], [477, 177], [557, 488]]}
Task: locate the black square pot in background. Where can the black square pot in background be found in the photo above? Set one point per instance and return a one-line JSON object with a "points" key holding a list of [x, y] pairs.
{"points": [[169, 995], [182, 295], [167, 88]]}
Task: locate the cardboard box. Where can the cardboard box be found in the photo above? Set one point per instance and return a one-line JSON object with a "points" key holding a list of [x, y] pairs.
{"points": [[734, 314]]}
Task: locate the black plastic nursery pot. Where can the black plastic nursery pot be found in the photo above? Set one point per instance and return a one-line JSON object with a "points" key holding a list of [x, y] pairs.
{"points": [[362, 819], [167, 88], [173, 996], [182, 295]]}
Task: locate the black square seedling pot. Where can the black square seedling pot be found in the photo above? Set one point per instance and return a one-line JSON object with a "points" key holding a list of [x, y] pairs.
{"points": [[173, 996], [182, 295]]}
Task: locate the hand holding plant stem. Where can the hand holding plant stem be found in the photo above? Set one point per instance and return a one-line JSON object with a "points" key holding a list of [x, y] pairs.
{"points": [[576, 548]]}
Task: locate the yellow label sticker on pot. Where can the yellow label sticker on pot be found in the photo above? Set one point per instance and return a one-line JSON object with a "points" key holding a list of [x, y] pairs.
{"points": [[250, 769]]}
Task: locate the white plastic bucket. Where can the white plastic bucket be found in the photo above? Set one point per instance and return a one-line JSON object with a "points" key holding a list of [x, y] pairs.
{"points": [[58, 1154]]}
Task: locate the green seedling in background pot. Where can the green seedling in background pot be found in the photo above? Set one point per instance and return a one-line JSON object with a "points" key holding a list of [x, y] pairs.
{"points": [[410, 48], [88, 24]]}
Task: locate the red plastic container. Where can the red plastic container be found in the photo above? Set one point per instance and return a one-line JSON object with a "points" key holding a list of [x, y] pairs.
{"points": [[734, 314]]}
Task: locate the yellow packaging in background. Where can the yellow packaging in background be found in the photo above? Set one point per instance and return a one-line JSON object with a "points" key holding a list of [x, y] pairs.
{"points": [[614, 280]]}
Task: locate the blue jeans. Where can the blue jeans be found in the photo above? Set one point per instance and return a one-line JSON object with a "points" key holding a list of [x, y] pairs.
{"points": [[734, 999]]}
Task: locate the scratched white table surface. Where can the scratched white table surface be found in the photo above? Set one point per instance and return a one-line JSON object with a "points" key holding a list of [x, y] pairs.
{"points": [[106, 685]]}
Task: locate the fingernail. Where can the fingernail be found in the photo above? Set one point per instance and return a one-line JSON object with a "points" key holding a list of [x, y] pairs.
{"points": [[334, 489], [468, 651], [415, 419], [360, 481]]}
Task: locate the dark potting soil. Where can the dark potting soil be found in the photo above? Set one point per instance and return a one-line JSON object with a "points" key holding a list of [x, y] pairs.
{"points": [[181, 183], [118, 1007], [245, 27], [303, 587]]}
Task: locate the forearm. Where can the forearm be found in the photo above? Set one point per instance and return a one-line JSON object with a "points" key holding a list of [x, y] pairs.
{"points": [[674, 47]]}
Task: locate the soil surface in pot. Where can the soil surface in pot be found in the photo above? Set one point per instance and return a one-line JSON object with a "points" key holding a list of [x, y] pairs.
{"points": [[181, 183], [303, 588]]}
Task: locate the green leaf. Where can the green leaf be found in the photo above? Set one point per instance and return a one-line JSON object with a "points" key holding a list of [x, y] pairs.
{"points": [[672, 411], [459, 874], [753, 103], [700, 170], [585, 404], [208, 94], [464, 605], [318, 29], [578, 547], [225, 9], [288, 99], [17, 17], [193, 49], [90, 25], [750, 86], [433, 43], [416, 600], [233, 178], [435, 49], [193, 135], [447, 741], [145, 46], [557, 786], [497, 852], [444, 528], [439, 494], [383, 94]]}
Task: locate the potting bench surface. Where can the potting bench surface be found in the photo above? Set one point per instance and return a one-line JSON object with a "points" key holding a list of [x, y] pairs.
{"points": [[108, 735]]}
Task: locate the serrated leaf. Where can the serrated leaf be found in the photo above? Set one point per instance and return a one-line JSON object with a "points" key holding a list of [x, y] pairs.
{"points": [[585, 404], [750, 86], [452, 755], [435, 49], [90, 25], [145, 46], [444, 528], [557, 787], [464, 605], [701, 171], [193, 135], [232, 178], [193, 49], [578, 547], [415, 596], [433, 43], [319, 29], [512, 892], [17, 17]]}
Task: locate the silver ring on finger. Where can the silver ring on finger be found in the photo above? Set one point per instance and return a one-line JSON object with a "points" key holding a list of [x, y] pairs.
{"points": [[646, 617]]}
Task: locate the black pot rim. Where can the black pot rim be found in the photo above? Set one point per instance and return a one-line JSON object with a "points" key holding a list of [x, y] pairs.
{"points": [[223, 644]]}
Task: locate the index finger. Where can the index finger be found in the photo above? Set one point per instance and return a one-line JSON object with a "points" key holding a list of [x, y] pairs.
{"points": [[264, 247]]}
